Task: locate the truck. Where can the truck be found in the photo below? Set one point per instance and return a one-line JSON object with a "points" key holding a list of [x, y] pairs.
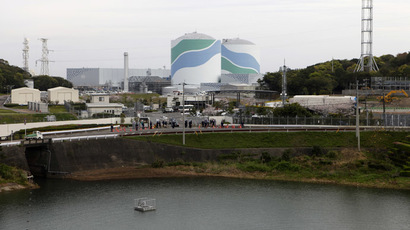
{"points": [[36, 135]]}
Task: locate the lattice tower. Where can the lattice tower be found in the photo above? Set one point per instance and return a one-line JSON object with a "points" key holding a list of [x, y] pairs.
{"points": [[367, 62], [44, 58], [26, 48]]}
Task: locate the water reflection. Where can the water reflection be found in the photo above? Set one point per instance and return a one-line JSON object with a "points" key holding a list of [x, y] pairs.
{"points": [[203, 203]]}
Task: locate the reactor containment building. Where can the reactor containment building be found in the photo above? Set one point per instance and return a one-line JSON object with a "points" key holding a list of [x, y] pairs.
{"points": [[195, 58]]}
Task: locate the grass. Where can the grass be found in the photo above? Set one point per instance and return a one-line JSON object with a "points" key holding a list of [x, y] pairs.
{"points": [[10, 117], [12, 174], [57, 109], [2, 111], [375, 167], [375, 139], [347, 167]]}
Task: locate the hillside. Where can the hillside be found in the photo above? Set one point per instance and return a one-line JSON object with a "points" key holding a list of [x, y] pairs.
{"points": [[333, 76]]}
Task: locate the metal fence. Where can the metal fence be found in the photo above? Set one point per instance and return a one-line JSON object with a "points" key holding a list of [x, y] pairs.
{"points": [[390, 120]]}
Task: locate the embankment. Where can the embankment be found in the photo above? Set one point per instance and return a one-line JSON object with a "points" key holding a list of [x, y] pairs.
{"points": [[115, 153]]}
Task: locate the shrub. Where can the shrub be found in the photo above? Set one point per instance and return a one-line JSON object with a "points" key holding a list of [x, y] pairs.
{"points": [[265, 157], [158, 163], [332, 154], [286, 155], [286, 166], [317, 151], [253, 167]]}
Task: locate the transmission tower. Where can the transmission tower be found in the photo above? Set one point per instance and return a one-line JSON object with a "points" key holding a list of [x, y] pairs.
{"points": [[367, 62], [25, 54], [44, 58]]}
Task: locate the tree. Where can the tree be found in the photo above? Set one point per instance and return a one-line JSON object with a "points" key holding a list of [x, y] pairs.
{"points": [[292, 110]]}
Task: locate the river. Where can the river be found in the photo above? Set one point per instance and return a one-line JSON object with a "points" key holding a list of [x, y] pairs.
{"points": [[203, 203]]}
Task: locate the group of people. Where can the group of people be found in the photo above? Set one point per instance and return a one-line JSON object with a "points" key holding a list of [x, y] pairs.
{"points": [[173, 123]]}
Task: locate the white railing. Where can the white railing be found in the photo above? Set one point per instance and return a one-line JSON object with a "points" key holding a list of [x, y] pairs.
{"points": [[95, 137], [78, 130], [7, 144]]}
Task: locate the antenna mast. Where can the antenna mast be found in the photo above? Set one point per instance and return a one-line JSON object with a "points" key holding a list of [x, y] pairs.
{"points": [[367, 62], [44, 58], [25, 54]]}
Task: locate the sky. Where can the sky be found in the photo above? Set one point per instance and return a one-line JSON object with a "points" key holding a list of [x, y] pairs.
{"points": [[96, 33]]}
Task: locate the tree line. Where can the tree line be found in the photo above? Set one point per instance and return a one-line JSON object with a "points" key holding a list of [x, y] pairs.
{"points": [[13, 77], [332, 77]]}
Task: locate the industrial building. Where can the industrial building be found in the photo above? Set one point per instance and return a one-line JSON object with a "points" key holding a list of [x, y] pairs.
{"points": [[145, 84], [195, 58], [100, 104], [23, 95], [61, 94], [108, 77]]}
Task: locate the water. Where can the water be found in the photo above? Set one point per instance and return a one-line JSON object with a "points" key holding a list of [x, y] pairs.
{"points": [[203, 203]]}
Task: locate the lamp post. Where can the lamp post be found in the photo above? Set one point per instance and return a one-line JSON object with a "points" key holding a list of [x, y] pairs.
{"points": [[357, 116], [183, 112]]}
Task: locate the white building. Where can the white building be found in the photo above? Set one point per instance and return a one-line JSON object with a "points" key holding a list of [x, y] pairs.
{"points": [[61, 94], [100, 103], [109, 77], [23, 95], [315, 100]]}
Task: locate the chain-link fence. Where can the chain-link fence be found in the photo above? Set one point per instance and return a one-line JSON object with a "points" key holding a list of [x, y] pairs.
{"points": [[391, 120]]}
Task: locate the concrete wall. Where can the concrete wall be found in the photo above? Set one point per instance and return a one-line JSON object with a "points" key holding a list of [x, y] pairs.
{"points": [[111, 153], [14, 156]]}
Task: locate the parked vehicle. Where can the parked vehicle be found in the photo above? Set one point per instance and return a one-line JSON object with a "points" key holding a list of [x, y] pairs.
{"points": [[36, 135]]}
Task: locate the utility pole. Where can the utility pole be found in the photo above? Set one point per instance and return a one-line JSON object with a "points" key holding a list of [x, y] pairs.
{"points": [[183, 113], [284, 84], [357, 116]]}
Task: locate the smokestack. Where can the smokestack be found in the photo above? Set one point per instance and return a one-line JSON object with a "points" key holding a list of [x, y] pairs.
{"points": [[125, 72]]}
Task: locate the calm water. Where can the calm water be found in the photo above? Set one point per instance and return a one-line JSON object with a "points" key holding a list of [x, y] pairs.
{"points": [[203, 203]]}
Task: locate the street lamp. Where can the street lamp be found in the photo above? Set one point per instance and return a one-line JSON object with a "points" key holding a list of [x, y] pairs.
{"points": [[183, 112]]}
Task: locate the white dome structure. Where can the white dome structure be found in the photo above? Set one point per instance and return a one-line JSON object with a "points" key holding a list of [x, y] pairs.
{"points": [[169, 90], [239, 57], [195, 58]]}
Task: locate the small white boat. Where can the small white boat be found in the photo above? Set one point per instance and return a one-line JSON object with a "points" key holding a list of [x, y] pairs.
{"points": [[145, 204]]}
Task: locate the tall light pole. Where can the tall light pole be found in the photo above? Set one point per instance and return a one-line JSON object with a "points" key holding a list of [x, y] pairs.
{"points": [[357, 116], [183, 112]]}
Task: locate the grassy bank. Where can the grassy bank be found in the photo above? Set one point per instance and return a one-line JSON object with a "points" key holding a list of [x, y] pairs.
{"points": [[12, 178], [11, 117], [376, 139], [384, 166]]}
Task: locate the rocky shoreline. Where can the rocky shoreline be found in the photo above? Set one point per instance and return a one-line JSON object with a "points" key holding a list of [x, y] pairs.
{"points": [[187, 171], [6, 187]]}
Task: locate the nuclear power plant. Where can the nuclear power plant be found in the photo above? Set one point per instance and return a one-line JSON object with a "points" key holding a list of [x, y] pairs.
{"points": [[195, 58], [239, 57]]}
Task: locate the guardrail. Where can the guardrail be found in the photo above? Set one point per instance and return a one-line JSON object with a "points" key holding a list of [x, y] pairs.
{"points": [[7, 144], [78, 130], [95, 137]]}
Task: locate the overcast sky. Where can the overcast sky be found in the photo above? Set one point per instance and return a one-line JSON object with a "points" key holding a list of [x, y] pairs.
{"points": [[96, 33]]}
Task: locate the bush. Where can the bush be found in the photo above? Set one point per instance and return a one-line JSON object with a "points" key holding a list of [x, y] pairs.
{"points": [[317, 151], [265, 157], [158, 163], [332, 154], [286, 155], [253, 167], [286, 166]]}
